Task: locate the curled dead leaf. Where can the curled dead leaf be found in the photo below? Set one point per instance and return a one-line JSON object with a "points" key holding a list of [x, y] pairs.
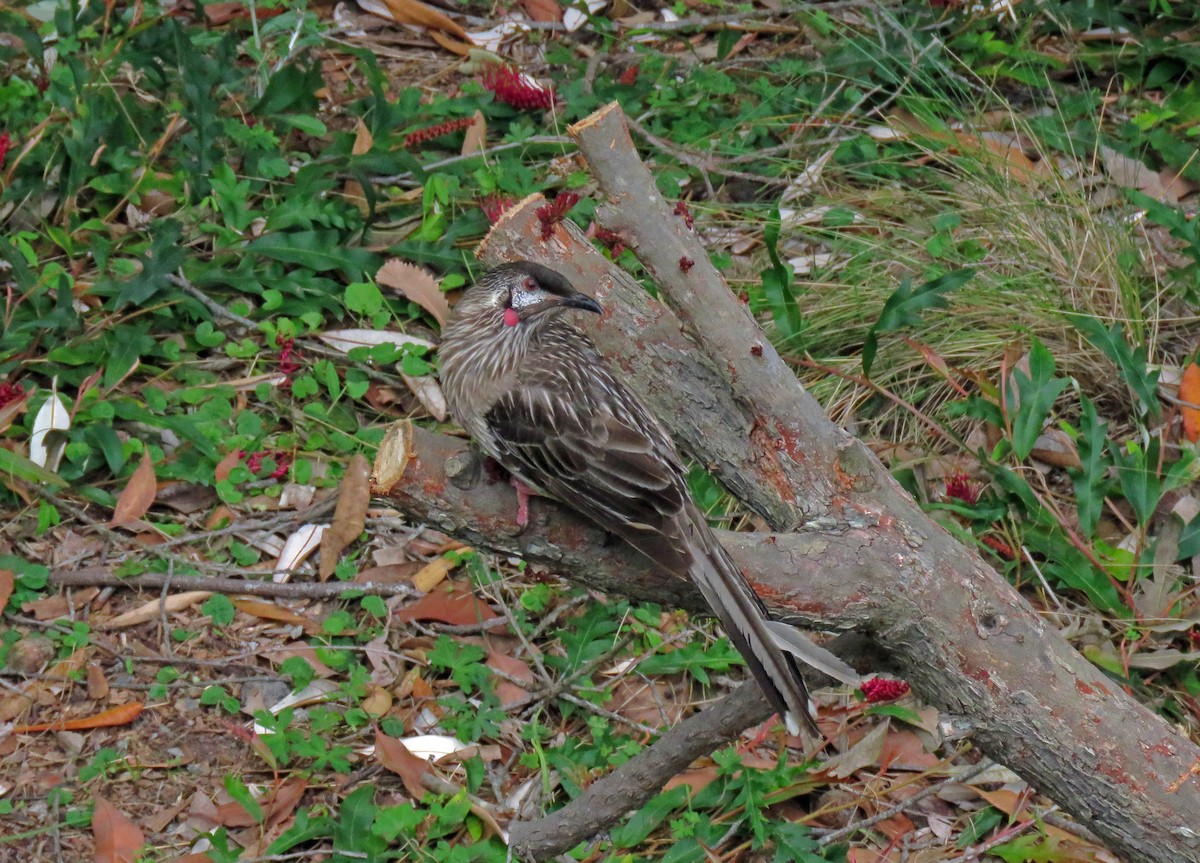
{"points": [[138, 494], [417, 284], [349, 517]]}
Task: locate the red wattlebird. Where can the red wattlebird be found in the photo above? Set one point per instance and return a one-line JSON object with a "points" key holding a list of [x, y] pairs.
{"points": [[534, 393]]}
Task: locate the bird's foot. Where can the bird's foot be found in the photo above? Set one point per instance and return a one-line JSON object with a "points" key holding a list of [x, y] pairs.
{"points": [[524, 492], [760, 736]]}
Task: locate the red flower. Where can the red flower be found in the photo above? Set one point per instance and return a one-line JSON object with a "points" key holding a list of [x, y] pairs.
{"points": [[494, 206], [629, 76], [686, 263], [430, 132], [614, 241], [517, 89], [254, 461], [5, 146], [554, 212], [289, 357], [681, 209], [10, 393], [999, 546], [960, 488], [879, 689]]}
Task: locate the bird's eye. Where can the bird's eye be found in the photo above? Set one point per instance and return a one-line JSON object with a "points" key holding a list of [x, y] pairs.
{"points": [[530, 284]]}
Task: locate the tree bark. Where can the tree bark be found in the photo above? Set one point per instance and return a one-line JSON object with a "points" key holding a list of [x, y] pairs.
{"points": [[858, 553]]}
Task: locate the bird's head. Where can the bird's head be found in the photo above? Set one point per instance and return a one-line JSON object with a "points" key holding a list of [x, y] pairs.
{"points": [[521, 293]]}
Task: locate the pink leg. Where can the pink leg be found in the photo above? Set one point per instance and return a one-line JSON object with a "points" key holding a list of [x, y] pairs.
{"points": [[524, 492]]}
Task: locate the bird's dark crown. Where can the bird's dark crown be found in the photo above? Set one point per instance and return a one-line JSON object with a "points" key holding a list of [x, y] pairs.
{"points": [[549, 280]]}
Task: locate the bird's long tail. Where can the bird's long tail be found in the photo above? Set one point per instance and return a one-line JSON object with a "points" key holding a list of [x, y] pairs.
{"points": [[769, 647]]}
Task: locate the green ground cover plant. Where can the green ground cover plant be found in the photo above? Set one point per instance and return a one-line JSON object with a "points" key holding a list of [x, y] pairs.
{"points": [[969, 232]]}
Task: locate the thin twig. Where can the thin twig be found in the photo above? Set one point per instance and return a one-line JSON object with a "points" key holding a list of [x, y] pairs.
{"points": [[907, 803], [216, 584]]}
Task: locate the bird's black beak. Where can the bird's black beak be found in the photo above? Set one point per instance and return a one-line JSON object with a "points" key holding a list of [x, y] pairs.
{"points": [[580, 301]]}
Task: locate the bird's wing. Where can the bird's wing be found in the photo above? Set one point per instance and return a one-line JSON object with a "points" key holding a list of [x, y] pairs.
{"points": [[612, 469]]}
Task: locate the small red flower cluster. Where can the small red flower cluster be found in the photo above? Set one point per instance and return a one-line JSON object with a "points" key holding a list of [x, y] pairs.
{"points": [[1001, 547], [686, 263], [611, 239], [960, 487], [494, 206], [554, 212], [629, 76], [513, 88], [254, 461], [5, 146], [420, 136], [10, 393], [289, 357], [681, 209], [879, 689]]}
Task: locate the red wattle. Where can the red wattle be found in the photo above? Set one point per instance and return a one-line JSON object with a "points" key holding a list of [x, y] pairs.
{"points": [[511, 318]]}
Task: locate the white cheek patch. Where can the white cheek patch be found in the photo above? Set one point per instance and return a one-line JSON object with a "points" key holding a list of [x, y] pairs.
{"points": [[523, 298]]}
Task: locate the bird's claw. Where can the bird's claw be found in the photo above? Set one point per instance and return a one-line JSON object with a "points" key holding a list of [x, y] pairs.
{"points": [[524, 492]]}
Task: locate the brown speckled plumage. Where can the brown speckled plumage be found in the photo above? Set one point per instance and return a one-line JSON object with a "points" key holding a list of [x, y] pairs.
{"points": [[535, 394]]}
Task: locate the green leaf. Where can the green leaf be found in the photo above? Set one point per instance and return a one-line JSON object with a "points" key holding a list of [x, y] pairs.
{"points": [[904, 714], [695, 658], [1189, 540], [219, 609], [292, 88], [363, 298], [777, 287], [1091, 479], [352, 834], [1034, 396], [14, 465], [240, 793], [906, 305], [643, 822], [321, 251], [1110, 341], [164, 258], [1137, 474]]}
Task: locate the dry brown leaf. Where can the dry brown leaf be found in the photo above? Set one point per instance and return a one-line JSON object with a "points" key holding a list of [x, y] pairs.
{"points": [[118, 840], [429, 393], [363, 139], [475, 138], [543, 10], [463, 49], [121, 715], [349, 517], [138, 494], [277, 804], [390, 573], [270, 611], [1189, 391], [227, 464], [97, 683], [865, 753], [154, 608], [416, 284], [394, 756], [47, 608], [1055, 447], [904, 750], [433, 573], [222, 13], [1166, 186], [6, 586], [412, 12], [454, 604], [507, 691]]}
